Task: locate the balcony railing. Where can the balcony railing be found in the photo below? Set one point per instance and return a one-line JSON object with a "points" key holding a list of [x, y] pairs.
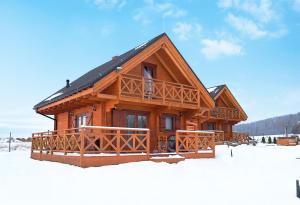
{"points": [[225, 113], [219, 136], [154, 90], [240, 137], [93, 140], [195, 141]]}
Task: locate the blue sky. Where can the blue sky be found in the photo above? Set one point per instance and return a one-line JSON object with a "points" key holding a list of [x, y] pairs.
{"points": [[252, 46]]}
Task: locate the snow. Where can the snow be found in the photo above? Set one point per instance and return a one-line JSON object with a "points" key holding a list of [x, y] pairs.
{"points": [[260, 175], [142, 45], [53, 96], [15, 145], [211, 89]]}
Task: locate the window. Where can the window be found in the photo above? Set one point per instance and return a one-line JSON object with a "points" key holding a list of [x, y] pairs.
{"points": [[130, 121], [169, 123], [142, 121], [81, 120], [148, 72], [211, 126], [136, 120]]}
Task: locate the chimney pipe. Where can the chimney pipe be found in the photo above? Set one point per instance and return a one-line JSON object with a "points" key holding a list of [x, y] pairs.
{"points": [[67, 83]]}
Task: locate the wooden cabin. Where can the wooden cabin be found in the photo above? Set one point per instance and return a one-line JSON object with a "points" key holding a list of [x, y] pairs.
{"points": [[226, 113], [146, 104]]}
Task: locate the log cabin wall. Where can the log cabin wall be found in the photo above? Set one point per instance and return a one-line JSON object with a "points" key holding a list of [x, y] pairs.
{"points": [[66, 120], [62, 120]]}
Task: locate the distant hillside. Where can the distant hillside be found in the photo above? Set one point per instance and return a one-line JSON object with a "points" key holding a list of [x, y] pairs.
{"points": [[272, 126]]}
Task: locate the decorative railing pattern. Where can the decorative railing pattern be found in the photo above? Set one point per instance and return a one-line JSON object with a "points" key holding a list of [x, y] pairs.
{"points": [[219, 136], [93, 140], [225, 113], [240, 137], [157, 90], [194, 141]]}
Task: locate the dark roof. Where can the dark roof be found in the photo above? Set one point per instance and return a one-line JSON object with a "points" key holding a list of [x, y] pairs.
{"points": [[215, 90], [91, 77]]}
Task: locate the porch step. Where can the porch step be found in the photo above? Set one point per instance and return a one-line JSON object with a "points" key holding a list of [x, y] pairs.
{"points": [[169, 158]]}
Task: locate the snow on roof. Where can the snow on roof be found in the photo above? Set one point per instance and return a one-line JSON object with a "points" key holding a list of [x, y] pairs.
{"points": [[54, 96], [211, 89], [142, 45]]}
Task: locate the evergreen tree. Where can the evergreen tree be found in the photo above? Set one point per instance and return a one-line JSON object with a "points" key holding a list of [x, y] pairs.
{"points": [[274, 140], [263, 140], [269, 140]]}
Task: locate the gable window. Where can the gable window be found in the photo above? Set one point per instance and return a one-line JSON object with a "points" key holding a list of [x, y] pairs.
{"points": [[169, 123], [148, 70], [81, 120]]}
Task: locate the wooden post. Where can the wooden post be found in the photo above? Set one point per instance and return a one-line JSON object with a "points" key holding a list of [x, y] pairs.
{"points": [[9, 141], [297, 188], [231, 154], [143, 88], [82, 136], [118, 142], [65, 144], [148, 142], [176, 140], [41, 143], [32, 142]]}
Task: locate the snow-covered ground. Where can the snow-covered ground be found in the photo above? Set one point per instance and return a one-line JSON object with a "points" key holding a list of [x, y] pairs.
{"points": [[263, 175], [15, 145]]}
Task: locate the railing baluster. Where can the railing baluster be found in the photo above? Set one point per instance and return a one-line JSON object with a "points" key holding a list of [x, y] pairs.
{"points": [[118, 142]]}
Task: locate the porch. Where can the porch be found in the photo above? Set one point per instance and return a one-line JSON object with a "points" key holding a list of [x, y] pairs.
{"points": [[91, 146]]}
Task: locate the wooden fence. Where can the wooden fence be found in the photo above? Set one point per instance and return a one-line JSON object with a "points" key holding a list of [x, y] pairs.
{"points": [[93, 140], [194, 141]]}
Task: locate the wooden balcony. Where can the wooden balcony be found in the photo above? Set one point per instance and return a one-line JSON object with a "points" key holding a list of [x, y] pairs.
{"points": [[225, 113], [154, 91]]}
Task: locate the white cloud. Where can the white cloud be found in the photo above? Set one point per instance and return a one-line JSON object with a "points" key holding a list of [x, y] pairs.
{"points": [[215, 48], [109, 4], [184, 30], [262, 10], [246, 26], [151, 9], [252, 29], [296, 5]]}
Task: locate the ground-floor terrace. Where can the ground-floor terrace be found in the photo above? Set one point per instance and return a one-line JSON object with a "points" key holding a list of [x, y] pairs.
{"points": [[90, 146]]}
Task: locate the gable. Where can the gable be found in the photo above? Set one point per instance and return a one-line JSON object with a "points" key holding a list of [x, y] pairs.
{"points": [[164, 49], [159, 49], [224, 98]]}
